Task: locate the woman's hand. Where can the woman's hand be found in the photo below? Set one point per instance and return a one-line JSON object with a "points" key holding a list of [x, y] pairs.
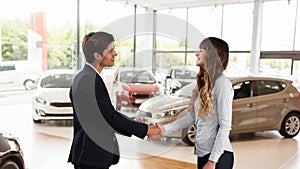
{"points": [[209, 165]]}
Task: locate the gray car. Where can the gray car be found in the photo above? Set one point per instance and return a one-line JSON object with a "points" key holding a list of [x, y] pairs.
{"points": [[260, 104]]}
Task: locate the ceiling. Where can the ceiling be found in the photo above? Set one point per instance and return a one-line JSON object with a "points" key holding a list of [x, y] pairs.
{"points": [[173, 4]]}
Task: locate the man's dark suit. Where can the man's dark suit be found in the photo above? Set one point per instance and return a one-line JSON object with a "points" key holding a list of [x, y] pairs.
{"points": [[96, 122]]}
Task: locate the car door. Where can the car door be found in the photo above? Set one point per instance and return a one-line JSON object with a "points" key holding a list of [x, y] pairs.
{"points": [[244, 107], [270, 102]]}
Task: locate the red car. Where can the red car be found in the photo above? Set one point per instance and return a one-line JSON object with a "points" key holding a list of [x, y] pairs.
{"points": [[133, 86]]}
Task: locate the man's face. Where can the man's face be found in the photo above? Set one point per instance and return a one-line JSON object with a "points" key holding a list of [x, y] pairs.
{"points": [[109, 55]]}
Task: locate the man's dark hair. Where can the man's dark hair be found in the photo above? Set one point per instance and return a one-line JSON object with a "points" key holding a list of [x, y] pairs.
{"points": [[95, 42]]}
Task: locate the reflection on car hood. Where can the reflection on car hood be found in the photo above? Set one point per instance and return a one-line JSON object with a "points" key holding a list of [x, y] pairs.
{"points": [[53, 94], [163, 102]]}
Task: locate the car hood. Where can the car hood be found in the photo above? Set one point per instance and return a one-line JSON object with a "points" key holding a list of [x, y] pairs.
{"points": [[54, 94], [141, 88], [163, 102]]}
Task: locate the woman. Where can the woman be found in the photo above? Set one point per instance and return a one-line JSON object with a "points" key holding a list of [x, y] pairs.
{"points": [[210, 107]]}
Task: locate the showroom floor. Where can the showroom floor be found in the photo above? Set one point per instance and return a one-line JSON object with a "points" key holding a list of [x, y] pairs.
{"points": [[46, 145], [260, 151]]}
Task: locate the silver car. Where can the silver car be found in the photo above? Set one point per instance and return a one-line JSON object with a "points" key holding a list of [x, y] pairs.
{"points": [[260, 104]]}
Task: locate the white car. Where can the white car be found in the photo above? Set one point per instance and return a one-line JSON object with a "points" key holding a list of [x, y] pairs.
{"points": [[51, 100], [179, 76]]}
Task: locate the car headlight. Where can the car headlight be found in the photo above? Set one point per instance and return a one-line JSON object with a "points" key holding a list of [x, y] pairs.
{"points": [[170, 112], [39, 100], [156, 93], [141, 113]]}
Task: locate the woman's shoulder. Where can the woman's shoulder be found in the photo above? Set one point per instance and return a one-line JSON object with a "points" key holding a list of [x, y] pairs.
{"points": [[223, 81]]}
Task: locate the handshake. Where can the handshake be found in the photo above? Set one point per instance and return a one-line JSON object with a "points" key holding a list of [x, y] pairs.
{"points": [[154, 132]]}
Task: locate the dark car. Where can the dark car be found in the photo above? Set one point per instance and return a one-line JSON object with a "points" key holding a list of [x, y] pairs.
{"points": [[11, 154], [259, 104], [133, 86]]}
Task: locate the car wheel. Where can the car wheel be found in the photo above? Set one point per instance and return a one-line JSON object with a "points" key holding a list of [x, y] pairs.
{"points": [[290, 125], [28, 84], [36, 121], [9, 164], [189, 135]]}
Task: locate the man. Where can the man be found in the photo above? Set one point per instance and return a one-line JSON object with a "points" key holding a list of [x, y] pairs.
{"points": [[96, 121]]}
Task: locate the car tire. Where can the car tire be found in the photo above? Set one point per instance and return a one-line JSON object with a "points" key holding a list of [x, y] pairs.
{"points": [[28, 83], [9, 164], [189, 135], [37, 121], [290, 126]]}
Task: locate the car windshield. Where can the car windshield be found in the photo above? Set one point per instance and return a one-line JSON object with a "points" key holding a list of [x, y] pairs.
{"points": [[185, 74], [137, 77], [57, 81]]}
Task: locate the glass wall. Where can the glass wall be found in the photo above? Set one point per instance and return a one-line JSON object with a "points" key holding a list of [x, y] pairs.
{"points": [[278, 67], [36, 36], [296, 68], [207, 19], [280, 33], [33, 25], [279, 26], [237, 26], [44, 33], [171, 39]]}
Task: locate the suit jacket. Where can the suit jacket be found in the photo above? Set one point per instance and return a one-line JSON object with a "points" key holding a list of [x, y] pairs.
{"points": [[96, 122]]}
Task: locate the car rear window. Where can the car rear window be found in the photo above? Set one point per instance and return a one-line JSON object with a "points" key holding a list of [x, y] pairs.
{"points": [[265, 87], [137, 77]]}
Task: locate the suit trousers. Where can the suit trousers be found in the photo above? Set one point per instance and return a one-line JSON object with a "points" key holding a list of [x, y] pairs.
{"points": [[86, 167], [225, 161]]}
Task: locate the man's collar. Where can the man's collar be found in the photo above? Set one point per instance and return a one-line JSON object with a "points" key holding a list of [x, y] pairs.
{"points": [[92, 67]]}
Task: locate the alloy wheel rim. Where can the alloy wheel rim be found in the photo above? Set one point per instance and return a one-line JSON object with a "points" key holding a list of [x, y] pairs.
{"points": [[191, 133], [292, 125]]}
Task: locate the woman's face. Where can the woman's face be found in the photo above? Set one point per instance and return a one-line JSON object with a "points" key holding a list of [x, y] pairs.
{"points": [[109, 55], [200, 57]]}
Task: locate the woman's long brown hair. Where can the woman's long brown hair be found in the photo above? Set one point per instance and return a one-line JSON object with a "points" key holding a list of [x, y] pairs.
{"points": [[215, 63]]}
